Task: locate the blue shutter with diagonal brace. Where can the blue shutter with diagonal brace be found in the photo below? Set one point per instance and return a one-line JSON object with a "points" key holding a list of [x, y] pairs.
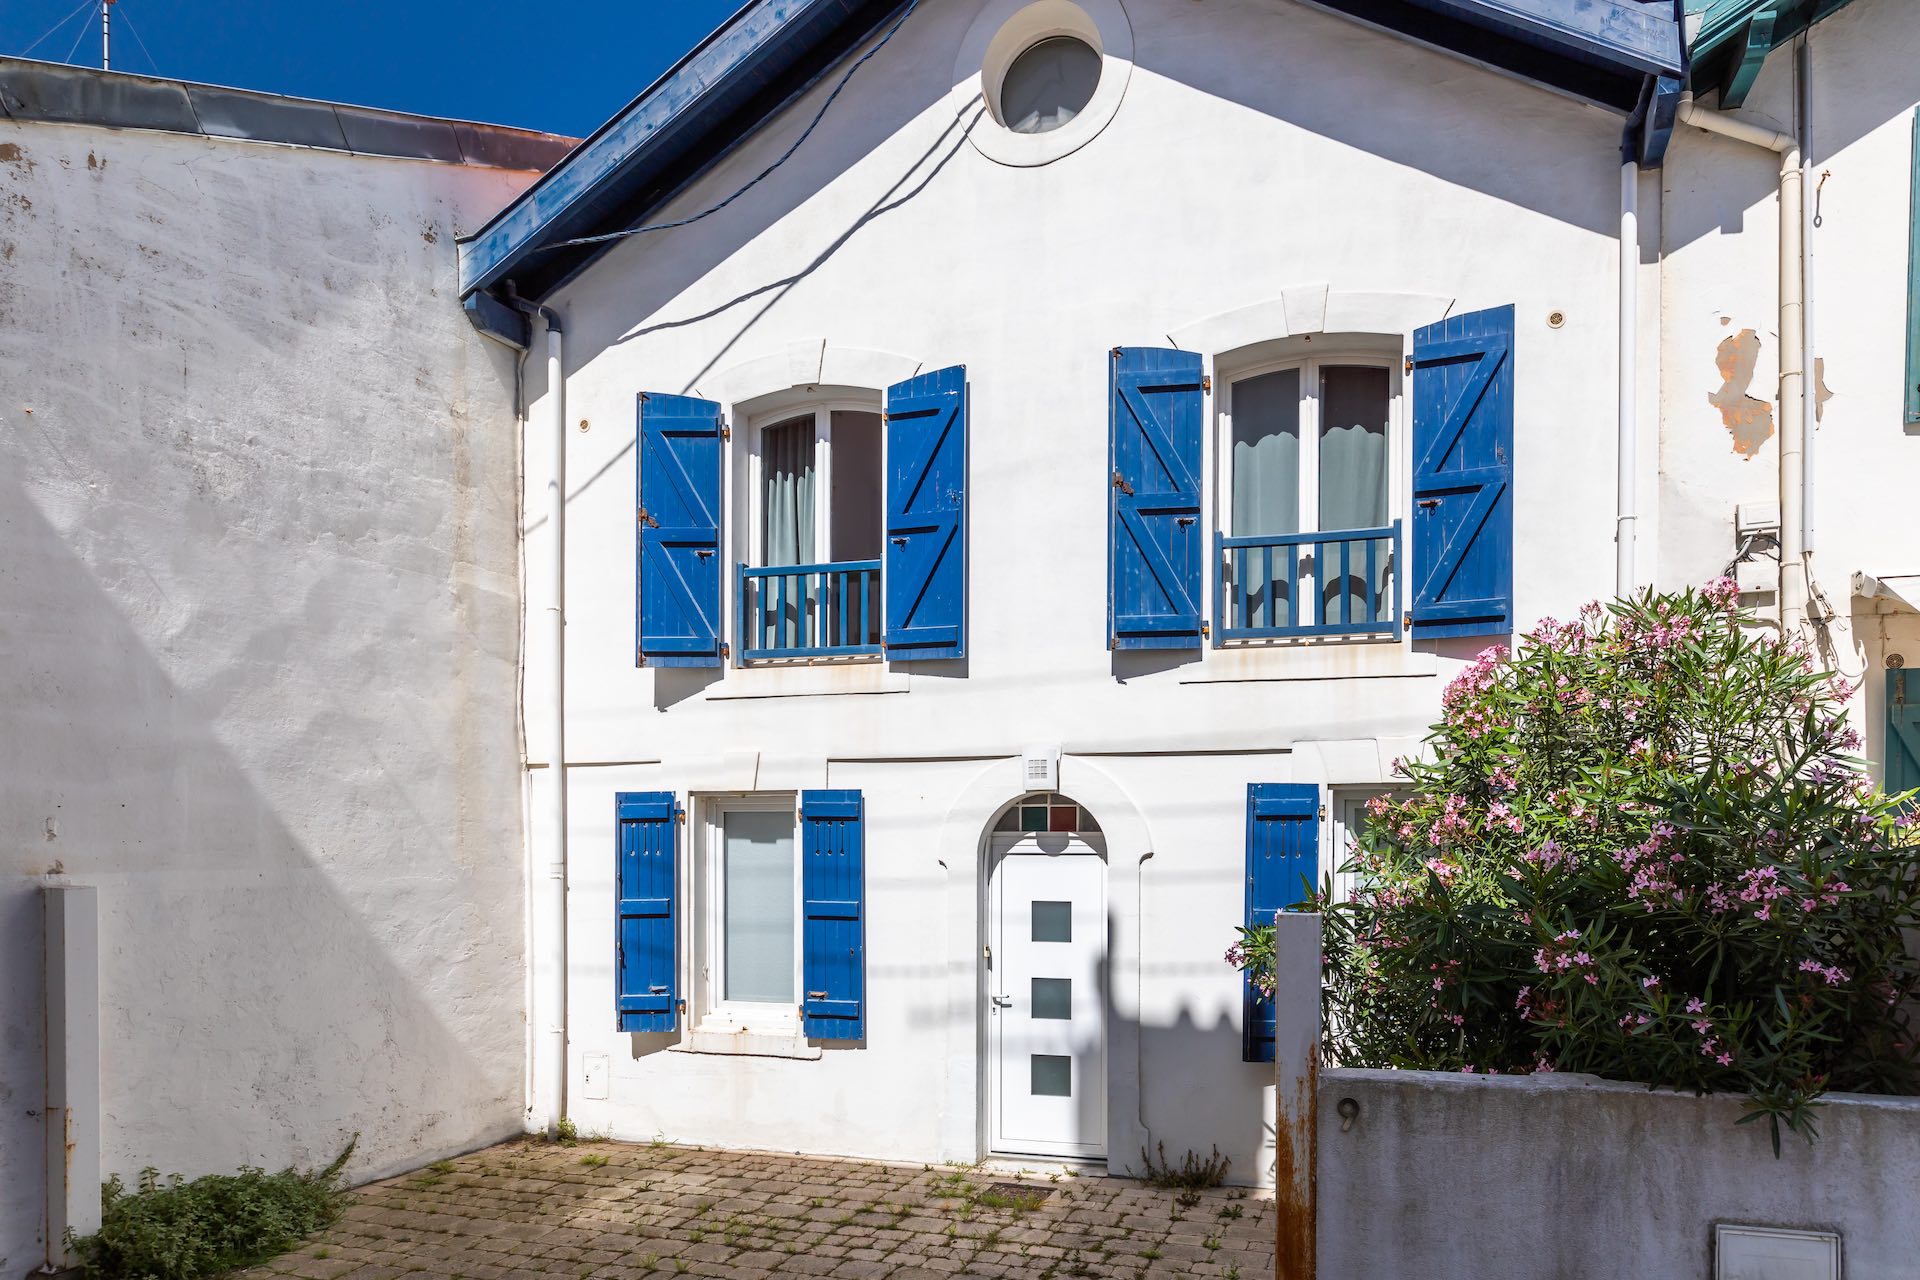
{"points": [[1153, 538], [926, 552], [679, 459], [1463, 475], [1283, 866], [646, 940], [833, 941], [1902, 773]]}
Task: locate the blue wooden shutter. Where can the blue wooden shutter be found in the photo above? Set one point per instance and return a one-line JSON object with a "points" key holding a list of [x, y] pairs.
{"points": [[679, 518], [926, 552], [833, 929], [1463, 475], [1283, 866], [1153, 538], [646, 939], [1903, 732]]}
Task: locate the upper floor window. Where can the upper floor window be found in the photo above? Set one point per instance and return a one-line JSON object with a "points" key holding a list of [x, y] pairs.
{"points": [[1310, 544], [819, 491]]}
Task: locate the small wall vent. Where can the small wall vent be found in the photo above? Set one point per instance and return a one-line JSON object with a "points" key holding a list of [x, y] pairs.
{"points": [[1040, 769]]}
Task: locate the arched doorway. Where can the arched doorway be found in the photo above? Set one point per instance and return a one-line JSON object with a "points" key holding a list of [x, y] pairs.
{"points": [[1046, 980]]}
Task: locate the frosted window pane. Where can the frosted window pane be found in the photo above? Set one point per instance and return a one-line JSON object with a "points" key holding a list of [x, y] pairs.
{"points": [[1053, 998], [1053, 922], [1052, 1076], [757, 929], [1266, 454]]}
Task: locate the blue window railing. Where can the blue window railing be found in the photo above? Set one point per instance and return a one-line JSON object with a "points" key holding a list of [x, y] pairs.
{"points": [[810, 610], [1275, 586]]}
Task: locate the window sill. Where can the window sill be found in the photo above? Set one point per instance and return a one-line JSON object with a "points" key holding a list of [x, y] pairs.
{"points": [[1355, 658], [742, 1043], [837, 676]]}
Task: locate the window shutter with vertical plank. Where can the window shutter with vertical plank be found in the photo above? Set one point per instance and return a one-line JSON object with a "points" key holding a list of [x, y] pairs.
{"points": [[1903, 732], [679, 457], [926, 550], [1283, 866], [833, 909], [1154, 538], [646, 937], [1463, 475]]}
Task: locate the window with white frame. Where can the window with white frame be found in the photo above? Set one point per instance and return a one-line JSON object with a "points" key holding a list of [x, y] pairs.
{"points": [[816, 533], [750, 943], [1307, 448], [1348, 816]]}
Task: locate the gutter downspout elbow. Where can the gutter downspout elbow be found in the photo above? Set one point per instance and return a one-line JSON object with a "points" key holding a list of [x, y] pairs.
{"points": [[547, 894]]}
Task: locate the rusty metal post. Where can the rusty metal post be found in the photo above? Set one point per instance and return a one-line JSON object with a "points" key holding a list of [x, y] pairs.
{"points": [[1296, 1078], [72, 1111]]}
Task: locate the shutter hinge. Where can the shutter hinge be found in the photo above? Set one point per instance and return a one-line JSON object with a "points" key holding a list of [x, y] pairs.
{"points": [[648, 520], [726, 432], [726, 650], [681, 1006], [1120, 483], [1115, 353], [1206, 384], [1409, 366], [1206, 628], [640, 659]]}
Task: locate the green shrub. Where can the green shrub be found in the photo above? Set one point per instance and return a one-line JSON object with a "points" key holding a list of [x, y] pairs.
{"points": [[1639, 848], [172, 1229]]}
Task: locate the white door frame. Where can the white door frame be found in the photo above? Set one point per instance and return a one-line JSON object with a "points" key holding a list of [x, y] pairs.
{"points": [[999, 844]]}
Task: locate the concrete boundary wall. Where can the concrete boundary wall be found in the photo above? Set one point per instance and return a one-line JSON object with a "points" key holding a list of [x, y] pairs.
{"points": [[1572, 1176]]}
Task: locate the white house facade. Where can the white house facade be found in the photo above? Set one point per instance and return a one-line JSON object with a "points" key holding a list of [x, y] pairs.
{"points": [[943, 510], [1004, 549]]}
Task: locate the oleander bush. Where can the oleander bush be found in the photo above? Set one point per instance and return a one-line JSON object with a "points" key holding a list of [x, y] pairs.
{"points": [[1639, 847], [173, 1229]]}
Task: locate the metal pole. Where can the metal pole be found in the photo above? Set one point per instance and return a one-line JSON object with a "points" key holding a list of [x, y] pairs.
{"points": [[106, 35], [1296, 1063]]}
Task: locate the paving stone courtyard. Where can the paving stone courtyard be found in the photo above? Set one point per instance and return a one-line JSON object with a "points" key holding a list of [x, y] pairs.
{"points": [[603, 1209]]}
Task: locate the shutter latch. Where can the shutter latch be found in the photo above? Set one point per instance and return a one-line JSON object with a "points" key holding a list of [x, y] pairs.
{"points": [[1120, 483], [1409, 364]]}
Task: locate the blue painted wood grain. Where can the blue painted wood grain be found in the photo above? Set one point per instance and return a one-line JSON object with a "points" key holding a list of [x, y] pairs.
{"points": [[926, 549], [833, 915], [1283, 868], [1154, 539], [646, 961], [678, 564], [1462, 534]]}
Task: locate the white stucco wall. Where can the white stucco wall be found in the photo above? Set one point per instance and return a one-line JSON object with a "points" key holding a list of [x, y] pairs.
{"points": [[1719, 276], [1271, 170], [258, 632], [1466, 1176]]}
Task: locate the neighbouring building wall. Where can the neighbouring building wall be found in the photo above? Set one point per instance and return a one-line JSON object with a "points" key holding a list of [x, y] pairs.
{"points": [[258, 634], [1450, 1176], [1719, 362]]}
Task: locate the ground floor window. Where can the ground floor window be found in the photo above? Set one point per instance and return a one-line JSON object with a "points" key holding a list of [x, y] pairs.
{"points": [[751, 877]]}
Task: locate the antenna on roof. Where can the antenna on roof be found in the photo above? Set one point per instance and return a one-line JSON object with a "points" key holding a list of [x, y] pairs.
{"points": [[106, 35]]}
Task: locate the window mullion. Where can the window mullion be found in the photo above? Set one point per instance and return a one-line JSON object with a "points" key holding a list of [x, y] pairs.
{"points": [[822, 484]]}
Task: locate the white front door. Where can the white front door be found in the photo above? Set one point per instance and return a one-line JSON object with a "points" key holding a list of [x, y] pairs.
{"points": [[1046, 996]]}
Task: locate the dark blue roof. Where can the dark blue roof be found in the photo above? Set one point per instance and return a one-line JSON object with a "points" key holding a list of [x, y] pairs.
{"points": [[1608, 51]]}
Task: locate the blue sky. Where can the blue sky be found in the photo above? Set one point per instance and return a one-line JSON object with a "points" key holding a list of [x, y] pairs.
{"points": [[562, 65]]}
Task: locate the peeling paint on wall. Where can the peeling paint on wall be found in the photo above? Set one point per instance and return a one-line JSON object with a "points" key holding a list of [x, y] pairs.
{"points": [[1821, 391], [1749, 420]]}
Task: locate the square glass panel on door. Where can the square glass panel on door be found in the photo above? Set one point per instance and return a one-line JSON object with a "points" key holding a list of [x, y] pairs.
{"points": [[1047, 1085]]}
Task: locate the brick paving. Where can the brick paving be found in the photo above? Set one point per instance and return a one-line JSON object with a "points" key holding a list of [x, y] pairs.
{"points": [[611, 1210]]}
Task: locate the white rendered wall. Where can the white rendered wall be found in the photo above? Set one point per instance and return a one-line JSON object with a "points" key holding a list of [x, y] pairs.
{"points": [[258, 632], [1271, 170], [1720, 277]]}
